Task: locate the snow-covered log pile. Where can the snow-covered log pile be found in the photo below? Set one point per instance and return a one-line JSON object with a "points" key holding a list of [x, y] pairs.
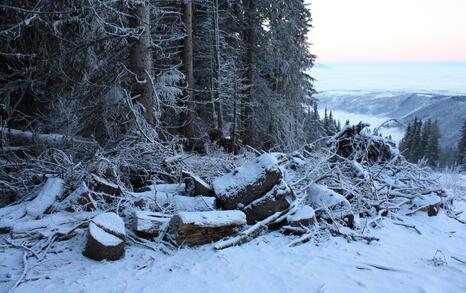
{"points": [[346, 189]]}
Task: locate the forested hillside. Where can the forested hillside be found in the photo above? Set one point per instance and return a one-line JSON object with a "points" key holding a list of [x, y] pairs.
{"points": [[156, 69]]}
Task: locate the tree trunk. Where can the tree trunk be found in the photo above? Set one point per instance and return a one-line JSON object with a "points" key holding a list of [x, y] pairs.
{"points": [[187, 115], [250, 39], [217, 101], [141, 58]]}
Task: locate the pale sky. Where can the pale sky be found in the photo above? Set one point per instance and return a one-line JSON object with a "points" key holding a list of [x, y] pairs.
{"points": [[388, 30]]}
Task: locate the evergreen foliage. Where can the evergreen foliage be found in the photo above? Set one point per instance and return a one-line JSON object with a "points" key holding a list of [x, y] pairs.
{"points": [[421, 141], [98, 69], [462, 148]]}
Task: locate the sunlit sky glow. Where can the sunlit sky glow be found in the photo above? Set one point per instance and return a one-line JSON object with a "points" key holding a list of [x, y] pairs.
{"points": [[388, 30]]}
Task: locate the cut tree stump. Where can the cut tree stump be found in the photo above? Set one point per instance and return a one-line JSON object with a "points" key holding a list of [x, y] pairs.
{"points": [[196, 228], [106, 238], [52, 190], [248, 182], [149, 224], [276, 200], [196, 185]]}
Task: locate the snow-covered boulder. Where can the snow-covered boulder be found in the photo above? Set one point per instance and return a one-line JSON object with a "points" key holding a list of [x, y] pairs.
{"points": [[195, 228], [276, 200], [247, 183], [106, 237]]}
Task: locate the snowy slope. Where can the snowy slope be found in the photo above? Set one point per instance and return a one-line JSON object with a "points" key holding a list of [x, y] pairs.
{"points": [[402, 261], [449, 110]]}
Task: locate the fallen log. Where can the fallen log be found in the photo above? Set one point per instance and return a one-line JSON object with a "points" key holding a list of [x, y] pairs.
{"points": [[172, 202], [54, 224], [106, 237], [195, 228], [196, 185], [150, 224], [19, 138], [52, 190], [248, 182], [276, 200]]}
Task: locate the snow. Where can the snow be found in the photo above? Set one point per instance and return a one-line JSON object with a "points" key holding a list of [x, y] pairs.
{"points": [[171, 188], [50, 192], [426, 200], [245, 175], [51, 223], [266, 264], [110, 222], [320, 197], [401, 261], [145, 220], [303, 213], [103, 237], [213, 218], [184, 203]]}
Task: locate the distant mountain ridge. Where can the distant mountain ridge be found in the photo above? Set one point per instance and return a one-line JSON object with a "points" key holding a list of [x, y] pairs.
{"points": [[449, 110]]}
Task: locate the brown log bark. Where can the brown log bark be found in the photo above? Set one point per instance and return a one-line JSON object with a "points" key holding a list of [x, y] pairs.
{"points": [[195, 185], [276, 200], [141, 58], [241, 187], [21, 138]]}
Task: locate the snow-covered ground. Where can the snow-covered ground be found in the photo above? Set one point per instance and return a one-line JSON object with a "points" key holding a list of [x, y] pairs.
{"points": [[402, 261]]}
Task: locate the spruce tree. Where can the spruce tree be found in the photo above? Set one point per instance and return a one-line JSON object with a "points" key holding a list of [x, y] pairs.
{"points": [[406, 140], [433, 148], [425, 136], [417, 148], [462, 148]]}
